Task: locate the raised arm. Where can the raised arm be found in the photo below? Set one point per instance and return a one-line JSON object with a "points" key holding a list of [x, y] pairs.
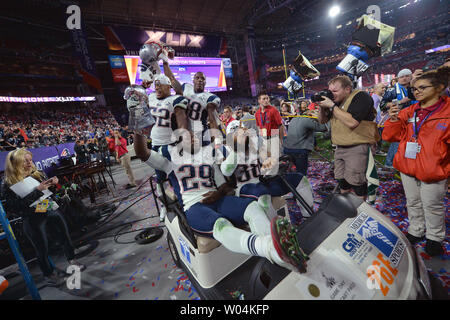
{"points": [[175, 83]]}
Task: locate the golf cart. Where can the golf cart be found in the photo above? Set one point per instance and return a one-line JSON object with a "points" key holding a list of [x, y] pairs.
{"points": [[354, 253]]}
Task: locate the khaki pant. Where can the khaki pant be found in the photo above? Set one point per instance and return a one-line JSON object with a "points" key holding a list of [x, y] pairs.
{"points": [[350, 163], [125, 161], [426, 211]]}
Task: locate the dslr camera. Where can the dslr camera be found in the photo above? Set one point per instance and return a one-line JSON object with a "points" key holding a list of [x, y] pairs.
{"points": [[318, 96]]}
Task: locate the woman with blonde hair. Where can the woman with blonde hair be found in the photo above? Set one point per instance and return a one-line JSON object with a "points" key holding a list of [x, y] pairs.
{"points": [[36, 211]]}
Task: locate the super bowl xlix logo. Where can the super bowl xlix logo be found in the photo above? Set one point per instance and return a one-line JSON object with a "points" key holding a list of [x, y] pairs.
{"points": [[65, 152]]}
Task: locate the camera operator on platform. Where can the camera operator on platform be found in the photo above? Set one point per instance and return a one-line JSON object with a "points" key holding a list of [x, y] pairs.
{"points": [[351, 114]]}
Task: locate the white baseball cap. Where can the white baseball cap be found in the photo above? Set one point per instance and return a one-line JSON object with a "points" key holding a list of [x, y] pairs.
{"points": [[163, 79], [404, 72]]}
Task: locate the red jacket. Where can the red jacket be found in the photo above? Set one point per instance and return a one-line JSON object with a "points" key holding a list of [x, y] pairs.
{"points": [[269, 120], [432, 163]]}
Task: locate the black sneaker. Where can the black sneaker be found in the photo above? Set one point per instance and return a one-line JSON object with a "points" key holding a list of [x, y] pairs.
{"points": [[413, 239], [433, 248], [53, 280]]}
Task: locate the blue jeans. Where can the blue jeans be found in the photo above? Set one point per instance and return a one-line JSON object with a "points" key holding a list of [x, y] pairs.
{"points": [[300, 159], [391, 154]]}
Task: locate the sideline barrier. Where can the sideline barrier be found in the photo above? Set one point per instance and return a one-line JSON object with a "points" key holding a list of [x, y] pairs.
{"points": [[44, 157]]}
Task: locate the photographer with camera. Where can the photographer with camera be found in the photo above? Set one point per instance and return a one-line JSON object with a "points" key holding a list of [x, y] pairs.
{"points": [[353, 131], [300, 140]]}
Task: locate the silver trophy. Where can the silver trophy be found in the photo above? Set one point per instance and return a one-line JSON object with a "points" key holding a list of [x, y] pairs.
{"points": [[137, 104], [150, 53]]}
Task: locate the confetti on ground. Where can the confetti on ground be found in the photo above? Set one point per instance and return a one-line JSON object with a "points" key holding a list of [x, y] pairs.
{"points": [[391, 202]]}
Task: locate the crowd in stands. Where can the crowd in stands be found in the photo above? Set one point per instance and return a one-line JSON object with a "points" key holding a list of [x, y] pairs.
{"points": [[51, 126]]}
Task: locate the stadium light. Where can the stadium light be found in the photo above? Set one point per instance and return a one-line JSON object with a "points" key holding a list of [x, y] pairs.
{"points": [[334, 11]]}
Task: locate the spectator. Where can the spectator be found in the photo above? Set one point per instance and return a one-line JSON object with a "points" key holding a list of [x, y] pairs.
{"points": [[400, 93], [111, 145], [268, 119], [35, 214], [353, 131], [122, 156], [238, 113], [303, 107], [81, 152], [300, 141], [424, 157], [286, 114], [92, 149], [103, 149], [248, 121], [378, 93], [227, 116]]}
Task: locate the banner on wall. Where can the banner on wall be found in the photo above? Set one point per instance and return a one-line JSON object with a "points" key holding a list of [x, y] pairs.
{"points": [[118, 68], [227, 67], [130, 39], [45, 157], [81, 50]]}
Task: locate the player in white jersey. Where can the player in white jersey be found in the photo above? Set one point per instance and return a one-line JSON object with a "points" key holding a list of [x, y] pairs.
{"points": [[243, 161], [203, 106], [169, 113], [210, 213]]}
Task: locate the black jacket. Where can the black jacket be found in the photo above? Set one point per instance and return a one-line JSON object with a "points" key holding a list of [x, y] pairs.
{"points": [[18, 206]]}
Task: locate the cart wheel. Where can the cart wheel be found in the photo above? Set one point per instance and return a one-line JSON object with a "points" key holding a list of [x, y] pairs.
{"points": [[173, 250], [149, 235]]}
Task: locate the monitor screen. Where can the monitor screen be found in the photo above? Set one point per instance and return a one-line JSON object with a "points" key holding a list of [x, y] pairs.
{"points": [[184, 69]]}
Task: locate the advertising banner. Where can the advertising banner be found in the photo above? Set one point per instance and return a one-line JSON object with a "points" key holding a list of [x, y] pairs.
{"points": [[45, 157], [118, 68]]}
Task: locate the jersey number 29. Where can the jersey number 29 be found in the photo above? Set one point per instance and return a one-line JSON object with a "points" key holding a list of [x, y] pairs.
{"points": [[202, 174]]}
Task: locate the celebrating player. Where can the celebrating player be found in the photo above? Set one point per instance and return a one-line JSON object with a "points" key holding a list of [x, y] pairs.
{"points": [[211, 213], [243, 162], [203, 106]]}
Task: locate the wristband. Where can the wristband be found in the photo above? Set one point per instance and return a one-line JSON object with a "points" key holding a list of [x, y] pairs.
{"points": [[332, 108]]}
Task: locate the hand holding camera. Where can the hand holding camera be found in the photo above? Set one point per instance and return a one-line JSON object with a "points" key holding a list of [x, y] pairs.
{"points": [[321, 96], [393, 112]]}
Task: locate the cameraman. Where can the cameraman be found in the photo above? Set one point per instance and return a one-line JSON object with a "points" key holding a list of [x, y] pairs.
{"points": [[353, 131]]}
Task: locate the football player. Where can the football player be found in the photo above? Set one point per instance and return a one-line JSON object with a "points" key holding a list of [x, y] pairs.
{"points": [[213, 214], [202, 109], [244, 163], [169, 113]]}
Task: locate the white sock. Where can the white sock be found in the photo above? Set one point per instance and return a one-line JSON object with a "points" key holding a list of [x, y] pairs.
{"points": [[257, 219], [240, 241], [305, 190], [159, 191], [264, 201]]}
